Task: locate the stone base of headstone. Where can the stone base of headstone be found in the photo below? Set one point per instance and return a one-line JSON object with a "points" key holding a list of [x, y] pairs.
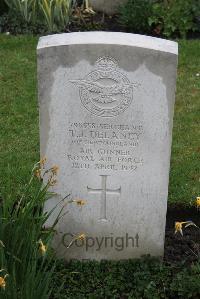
{"points": [[107, 6]]}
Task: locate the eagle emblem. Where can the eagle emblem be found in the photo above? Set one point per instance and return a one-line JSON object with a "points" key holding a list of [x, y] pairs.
{"points": [[105, 92]]}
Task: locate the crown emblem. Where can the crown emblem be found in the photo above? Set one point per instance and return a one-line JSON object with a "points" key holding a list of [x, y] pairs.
{"points": [[106, 91], [106, 63]]}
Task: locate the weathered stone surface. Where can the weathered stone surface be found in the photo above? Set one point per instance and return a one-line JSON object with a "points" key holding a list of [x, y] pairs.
{"points": [[106, 111], [107, 6]]}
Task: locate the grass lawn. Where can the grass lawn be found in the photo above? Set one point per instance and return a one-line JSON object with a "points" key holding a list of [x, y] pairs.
{"points": [[19, 129]]}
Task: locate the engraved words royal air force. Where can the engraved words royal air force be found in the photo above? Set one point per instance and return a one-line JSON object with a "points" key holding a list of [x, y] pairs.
{"points": [[106, 91]]}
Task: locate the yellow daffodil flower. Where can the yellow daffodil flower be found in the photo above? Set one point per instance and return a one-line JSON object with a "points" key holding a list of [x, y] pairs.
{"points": [[42, 162], [179, 226], [3, 280], [52, 182], [80, 202], [42, 247], [54, 170], [198, 202], [37, 173], [81, 237]]}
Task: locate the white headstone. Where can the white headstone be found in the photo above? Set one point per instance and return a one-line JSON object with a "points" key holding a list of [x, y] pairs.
{"points": [[106, 111]]}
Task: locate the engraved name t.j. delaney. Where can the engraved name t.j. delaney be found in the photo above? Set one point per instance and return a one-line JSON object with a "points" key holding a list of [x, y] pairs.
{"points": [[105, 92]]}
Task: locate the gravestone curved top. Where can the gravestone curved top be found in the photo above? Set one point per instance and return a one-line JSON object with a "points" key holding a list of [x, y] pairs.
{"points": [[110, 38]]}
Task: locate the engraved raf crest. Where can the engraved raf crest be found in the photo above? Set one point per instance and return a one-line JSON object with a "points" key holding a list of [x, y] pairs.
{"points": [[106, 91]]}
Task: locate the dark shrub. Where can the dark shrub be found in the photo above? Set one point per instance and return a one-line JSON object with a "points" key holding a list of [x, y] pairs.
{"points": [[134, 15], [3, 7]]}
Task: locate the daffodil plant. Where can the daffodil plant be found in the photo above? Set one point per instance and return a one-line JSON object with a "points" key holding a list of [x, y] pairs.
{"points": [[25, 257]]}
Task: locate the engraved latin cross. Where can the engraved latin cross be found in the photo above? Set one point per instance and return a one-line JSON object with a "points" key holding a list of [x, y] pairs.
{"points": [[103, 192]]}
